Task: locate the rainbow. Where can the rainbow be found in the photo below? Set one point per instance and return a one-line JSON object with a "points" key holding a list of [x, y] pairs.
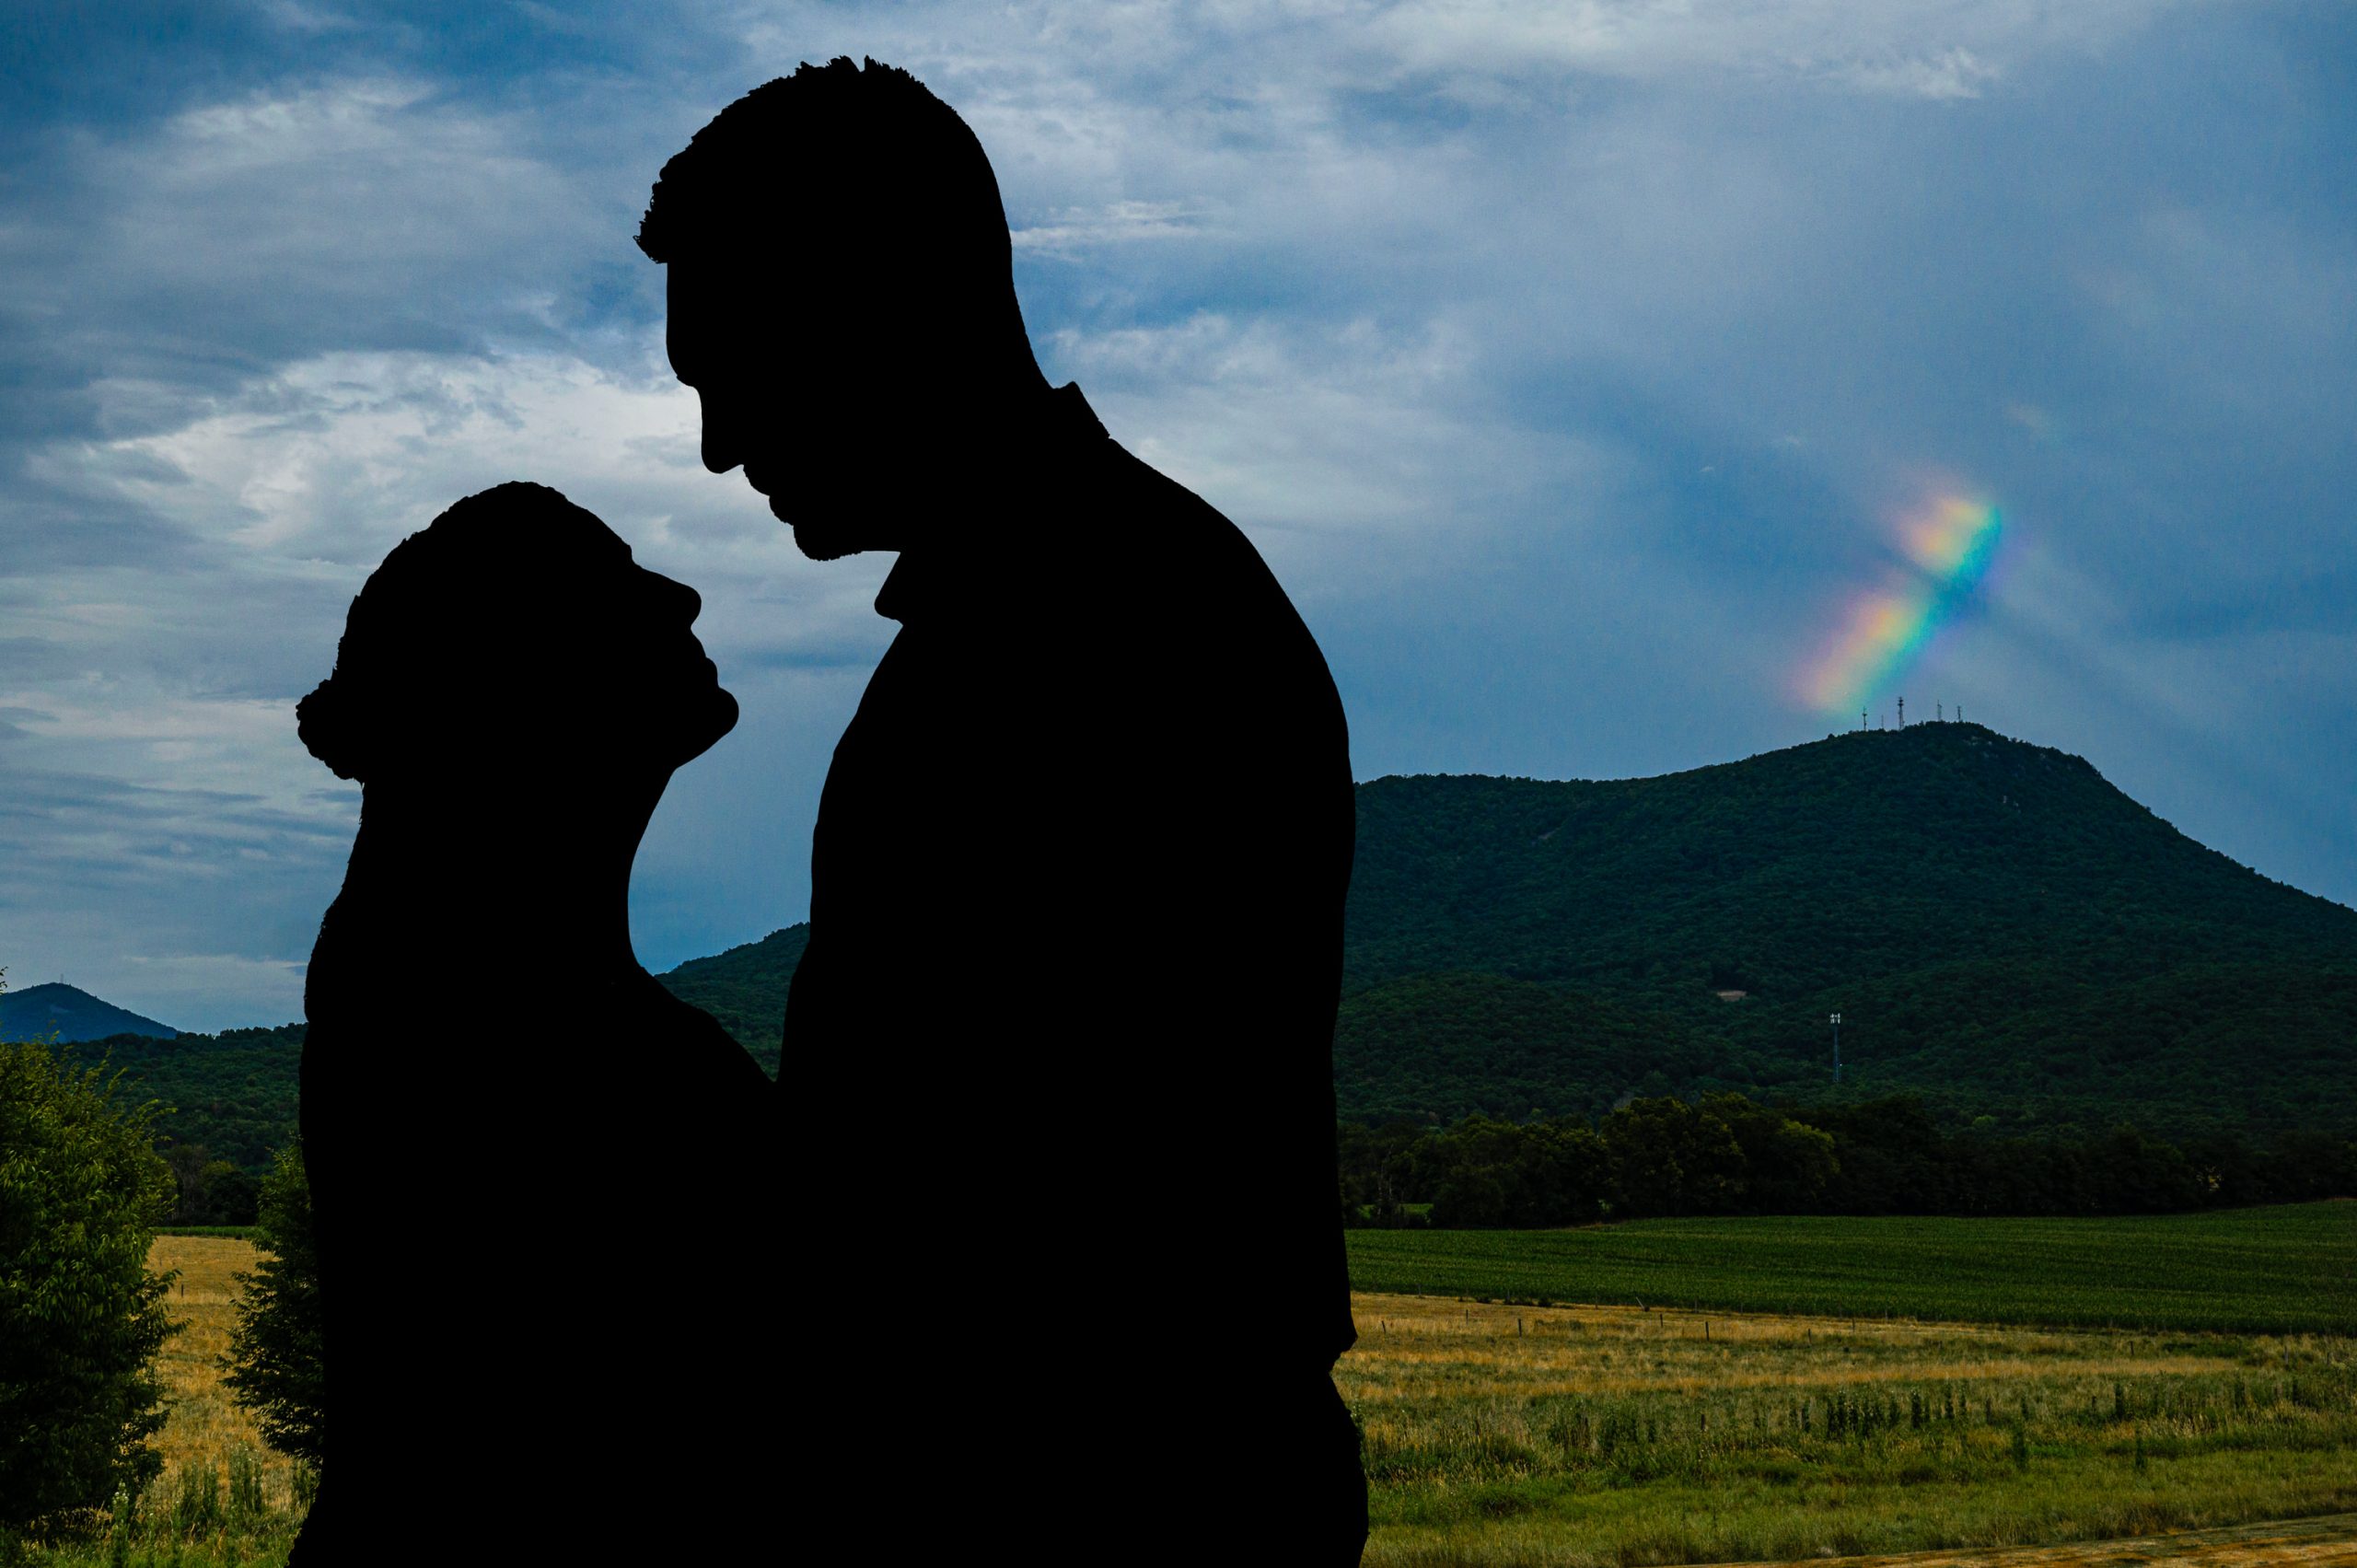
{"points": [[1951, 542]]}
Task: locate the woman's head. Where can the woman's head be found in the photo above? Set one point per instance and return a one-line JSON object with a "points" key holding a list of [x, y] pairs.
{"points": [[515, 635]]}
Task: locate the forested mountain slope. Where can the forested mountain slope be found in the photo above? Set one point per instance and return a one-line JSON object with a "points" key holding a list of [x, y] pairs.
{"points": [[72, 1014], [2003, 932], [2001, 929]]}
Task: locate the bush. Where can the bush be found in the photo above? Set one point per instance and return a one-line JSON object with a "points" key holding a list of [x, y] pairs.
{"points": [[81, 1315], [274, 1357]]}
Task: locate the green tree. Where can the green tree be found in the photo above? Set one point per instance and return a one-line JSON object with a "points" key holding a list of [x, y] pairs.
{"points": [[81, 1315], [275, 1358]]}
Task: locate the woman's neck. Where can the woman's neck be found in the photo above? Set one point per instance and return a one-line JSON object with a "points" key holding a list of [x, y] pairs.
{"points": [[543, 883]]}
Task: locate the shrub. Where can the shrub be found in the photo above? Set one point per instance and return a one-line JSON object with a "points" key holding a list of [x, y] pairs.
{"points": [[81, 1315], [274, 1351]]}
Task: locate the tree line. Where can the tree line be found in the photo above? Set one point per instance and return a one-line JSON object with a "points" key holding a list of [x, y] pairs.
{"points": [[1727, 1154]]}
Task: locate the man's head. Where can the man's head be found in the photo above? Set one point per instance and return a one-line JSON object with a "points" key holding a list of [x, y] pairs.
{"points": [[841, 299]]}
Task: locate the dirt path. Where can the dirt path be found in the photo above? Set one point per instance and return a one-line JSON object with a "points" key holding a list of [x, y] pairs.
{"points": [[2311, 1543]]}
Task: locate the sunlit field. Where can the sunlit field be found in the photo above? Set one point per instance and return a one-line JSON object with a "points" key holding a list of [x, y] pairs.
{"points": [[1500, 1434], [224, 1498], [1532, 1436]]}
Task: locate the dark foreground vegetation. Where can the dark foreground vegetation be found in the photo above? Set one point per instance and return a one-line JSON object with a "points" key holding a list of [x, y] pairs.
{"points": [[1729, 1156], [82, 1318]]}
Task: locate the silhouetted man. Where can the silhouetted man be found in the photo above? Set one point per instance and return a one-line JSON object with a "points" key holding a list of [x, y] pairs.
{"points": [[1058, 1057]]}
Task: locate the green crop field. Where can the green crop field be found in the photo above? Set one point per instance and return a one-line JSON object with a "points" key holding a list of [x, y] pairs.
{"points": [[2287, 1270]]}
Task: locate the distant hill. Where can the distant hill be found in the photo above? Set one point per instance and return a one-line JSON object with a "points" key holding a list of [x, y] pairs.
{"points": [[2004, 933], [73, 1013], [745, 989], [235, 1093]]}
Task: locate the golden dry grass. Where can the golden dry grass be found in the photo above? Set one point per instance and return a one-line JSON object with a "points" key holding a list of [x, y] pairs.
{"points": [[202, 1425], [1582, 1436], [1431, 1376], [1411, 1345]]}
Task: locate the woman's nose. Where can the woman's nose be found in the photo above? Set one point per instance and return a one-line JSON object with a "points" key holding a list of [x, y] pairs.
{"points": [[675, 599]]}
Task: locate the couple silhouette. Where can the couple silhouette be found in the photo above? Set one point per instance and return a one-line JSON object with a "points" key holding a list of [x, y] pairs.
{"points": [[1034, 1245]]}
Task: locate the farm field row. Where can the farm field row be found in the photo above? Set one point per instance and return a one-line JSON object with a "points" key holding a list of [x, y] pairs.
{"points": [[1562, 1436], [2326, 1542], [1574, 1437], [2286, 1270]]}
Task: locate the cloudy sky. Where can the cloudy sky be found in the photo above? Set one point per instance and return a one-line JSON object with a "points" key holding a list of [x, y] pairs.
{"points": [[1618, 385]]}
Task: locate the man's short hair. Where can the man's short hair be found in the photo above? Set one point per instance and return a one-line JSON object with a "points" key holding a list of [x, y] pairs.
{"points": [[868, 155]]}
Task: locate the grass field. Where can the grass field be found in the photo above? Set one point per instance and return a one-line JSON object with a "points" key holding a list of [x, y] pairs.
{"points": [[207, 1442], [1557, 1436], [2287, 1270], [1513, 1436]]}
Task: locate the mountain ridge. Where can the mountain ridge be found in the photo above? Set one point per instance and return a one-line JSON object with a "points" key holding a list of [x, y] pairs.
{"points": [[2005, 932], [2006, 936], [74, 1014], [2000, 927]]}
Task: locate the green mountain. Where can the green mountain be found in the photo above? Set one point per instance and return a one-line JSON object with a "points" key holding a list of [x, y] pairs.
{"points": [[73, 1013], [2003, 932], [745, 989], [233, 1093]]}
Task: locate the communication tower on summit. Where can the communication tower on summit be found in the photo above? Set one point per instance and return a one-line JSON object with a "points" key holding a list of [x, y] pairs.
{"points": [[1903, 713], [1836, 1021]]}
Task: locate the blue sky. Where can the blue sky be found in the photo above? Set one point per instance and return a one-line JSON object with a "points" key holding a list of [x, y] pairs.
{"points": [[1578, 367]]}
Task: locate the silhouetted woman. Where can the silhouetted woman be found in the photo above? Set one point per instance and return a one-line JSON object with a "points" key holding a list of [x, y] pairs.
{"points": [[533, 1171]]}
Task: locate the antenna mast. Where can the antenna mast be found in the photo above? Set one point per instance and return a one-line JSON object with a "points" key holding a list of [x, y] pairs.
{"points": [[1836, 1021], [1903, 713]]}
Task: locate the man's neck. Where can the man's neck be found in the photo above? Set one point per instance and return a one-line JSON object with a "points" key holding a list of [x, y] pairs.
{"points": [[977, 488]]}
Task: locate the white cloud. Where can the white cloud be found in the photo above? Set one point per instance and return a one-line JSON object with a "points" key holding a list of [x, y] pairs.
{"points": [[1074, 230], [1956, 73], [1519, 296], [370, 212], [151, 765], [1932, 48], [1350, 453], [316, 471]]}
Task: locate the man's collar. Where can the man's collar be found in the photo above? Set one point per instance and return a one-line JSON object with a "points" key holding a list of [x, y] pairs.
{"points": [[1073, 417], [922, 578]]}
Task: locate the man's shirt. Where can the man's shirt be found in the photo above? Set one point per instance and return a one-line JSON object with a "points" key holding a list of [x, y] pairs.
{"points": [[1076, 908]]}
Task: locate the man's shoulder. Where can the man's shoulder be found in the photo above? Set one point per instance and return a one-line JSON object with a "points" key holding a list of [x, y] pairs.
{"points": [[1166, 557]]}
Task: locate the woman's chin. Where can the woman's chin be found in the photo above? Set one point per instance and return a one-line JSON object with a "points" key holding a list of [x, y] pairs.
{"points": [[707, 721]]}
